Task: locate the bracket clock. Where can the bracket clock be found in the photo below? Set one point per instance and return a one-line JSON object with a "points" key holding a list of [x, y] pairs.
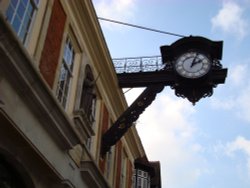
{"points": [[190, 66], [195, 62]]}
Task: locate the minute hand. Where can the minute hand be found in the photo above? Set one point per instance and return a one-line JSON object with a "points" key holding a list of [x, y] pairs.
{"points": [[195, 62]]}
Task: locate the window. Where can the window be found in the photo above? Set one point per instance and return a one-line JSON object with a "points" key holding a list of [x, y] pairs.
{"points": [[20, 13], [123, 170], [109, 160], [141, 179], [65, 73]]}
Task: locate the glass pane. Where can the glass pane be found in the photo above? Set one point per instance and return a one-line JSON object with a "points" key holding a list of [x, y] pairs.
{"points": [[24, 2], [67, 85], [14, 3], [20, 11], [64, 101], [59, 92], [9, 13], [63, 86], [63, 74], [139, 172], [30, 10], [22, 35], [16, 24], [24, 29], [144, 183], [139, 182], [72, 60], [67, 56], [70, 57]]}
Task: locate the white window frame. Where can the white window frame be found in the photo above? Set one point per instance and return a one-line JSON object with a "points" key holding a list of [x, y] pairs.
{"points": [[109, 164], [141, 179], [17, 12], [66, 72]]}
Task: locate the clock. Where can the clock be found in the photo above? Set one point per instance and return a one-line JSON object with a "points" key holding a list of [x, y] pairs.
{"points": [[192, 64]]}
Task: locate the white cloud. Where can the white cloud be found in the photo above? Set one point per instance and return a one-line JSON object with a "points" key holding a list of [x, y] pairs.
{"points": [[237, 74], [119, 10], [243, 145], [218, 150], [230, 19], [226, 103], [243, 102], [238, 103], [237, 93], [240, 143], [167, 131]]}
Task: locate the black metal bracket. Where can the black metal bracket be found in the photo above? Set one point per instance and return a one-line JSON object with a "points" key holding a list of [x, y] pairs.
{"points": [[126, 120]]}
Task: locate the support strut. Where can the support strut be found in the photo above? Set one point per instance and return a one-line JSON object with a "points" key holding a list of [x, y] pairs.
{"points": [[126, 120]]}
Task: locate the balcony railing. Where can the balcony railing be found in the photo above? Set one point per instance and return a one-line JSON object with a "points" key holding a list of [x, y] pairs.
{"points": [[138, 64]]}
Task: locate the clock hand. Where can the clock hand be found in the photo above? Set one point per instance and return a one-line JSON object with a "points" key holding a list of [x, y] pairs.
{"points": [[195, 62]]}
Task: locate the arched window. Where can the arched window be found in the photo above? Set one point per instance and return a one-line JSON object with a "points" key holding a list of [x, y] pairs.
{"points": [[9, 176]]}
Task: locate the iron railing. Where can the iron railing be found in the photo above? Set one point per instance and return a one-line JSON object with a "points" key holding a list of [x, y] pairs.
{"points": [[138, 64]]}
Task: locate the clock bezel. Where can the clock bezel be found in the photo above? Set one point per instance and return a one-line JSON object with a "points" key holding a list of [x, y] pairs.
{"points": [[193, 75]]}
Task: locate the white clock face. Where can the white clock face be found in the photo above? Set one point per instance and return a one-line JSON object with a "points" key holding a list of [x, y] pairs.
{"points": [[192, 65]]}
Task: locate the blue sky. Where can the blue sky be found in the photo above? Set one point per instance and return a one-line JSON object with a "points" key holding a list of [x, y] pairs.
{"points": [[206, 145]]}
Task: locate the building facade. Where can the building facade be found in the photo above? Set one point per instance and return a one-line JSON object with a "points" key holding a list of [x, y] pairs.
{"points": [[58, 95]]}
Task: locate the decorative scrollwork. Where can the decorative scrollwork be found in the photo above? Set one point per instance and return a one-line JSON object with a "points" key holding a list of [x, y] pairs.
{"points": [[168, 65], [194, 94], [216, 64], [138, 64]]}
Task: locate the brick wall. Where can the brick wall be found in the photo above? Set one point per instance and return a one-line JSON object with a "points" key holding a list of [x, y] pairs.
{"points": [[118, 163], [130, 174], [53, 43]]}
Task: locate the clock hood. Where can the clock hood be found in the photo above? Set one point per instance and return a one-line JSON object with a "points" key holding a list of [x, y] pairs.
{"points": [[212, 48]]}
